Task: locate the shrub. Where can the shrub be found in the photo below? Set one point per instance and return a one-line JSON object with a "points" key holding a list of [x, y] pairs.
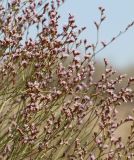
{"points": [[51, 107]]}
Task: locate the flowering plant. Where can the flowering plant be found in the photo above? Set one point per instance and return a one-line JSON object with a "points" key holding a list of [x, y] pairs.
{"points": [[51, 107]]}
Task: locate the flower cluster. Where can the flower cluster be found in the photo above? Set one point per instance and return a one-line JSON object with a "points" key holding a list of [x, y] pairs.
{"points": [[51, 106]]}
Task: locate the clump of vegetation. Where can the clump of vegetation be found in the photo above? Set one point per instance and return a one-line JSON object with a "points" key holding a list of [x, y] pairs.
{"points": [[51, 107]]}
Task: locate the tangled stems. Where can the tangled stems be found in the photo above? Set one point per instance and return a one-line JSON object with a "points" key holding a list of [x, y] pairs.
{"points": [[51, 106]]}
